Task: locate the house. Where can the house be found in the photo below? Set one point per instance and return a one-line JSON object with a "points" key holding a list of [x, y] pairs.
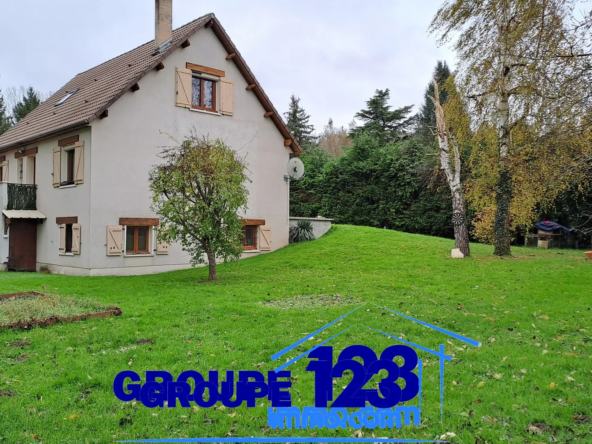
{"points": [[74, 193]]}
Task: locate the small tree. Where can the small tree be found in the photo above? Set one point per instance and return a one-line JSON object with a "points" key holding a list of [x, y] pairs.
{"points": [[198, 191], [29, 101], [297, 123], [5, 119]]}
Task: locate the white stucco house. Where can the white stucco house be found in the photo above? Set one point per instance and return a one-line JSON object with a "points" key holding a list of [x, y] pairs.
{"points": [[74, 191]]}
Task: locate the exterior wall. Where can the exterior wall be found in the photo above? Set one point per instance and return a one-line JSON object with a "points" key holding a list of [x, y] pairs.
{"points": [[138, 126], [56, 202], [320, 225]]}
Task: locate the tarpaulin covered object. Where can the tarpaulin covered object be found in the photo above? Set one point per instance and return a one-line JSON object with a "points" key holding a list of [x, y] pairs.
{"points": [[547, 225]]}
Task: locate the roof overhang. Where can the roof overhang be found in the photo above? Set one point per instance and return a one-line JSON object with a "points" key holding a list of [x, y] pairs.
{"points": [[23, 214]]}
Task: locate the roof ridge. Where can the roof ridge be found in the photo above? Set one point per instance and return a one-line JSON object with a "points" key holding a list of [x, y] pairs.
{"points": [[143, 44]]}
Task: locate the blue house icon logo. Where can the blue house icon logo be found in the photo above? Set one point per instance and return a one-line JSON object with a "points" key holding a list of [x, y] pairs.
{"points": [[439, 354]]}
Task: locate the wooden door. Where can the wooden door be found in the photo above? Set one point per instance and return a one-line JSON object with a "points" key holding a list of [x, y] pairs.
{"points": [[22, 250]]}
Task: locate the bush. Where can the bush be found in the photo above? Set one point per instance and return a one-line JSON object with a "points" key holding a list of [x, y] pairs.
{"points": [[301, 232]]}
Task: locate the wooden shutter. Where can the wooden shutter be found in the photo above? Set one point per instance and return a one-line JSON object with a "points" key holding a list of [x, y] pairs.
{"points": [[227, 96], [79, 162], [114, 240], [57, 160], [75, 238], [265, 241], [62, 249], [4, 177], [183, 87], [162, 247]]}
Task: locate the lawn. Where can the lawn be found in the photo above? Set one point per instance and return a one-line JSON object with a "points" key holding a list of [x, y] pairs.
{"points": [[532, 314]]}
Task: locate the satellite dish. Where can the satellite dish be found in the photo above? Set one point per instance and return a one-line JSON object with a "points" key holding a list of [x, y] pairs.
{"points": [[295, 168]]}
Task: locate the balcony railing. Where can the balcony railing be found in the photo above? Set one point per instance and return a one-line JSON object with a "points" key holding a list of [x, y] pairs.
{"points": [[21, 197]]}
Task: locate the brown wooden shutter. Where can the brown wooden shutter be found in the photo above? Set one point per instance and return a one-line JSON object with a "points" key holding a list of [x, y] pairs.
{"points": [[79, 162], [183, 87], [4, 177], [75, 238], [265, 241], [62, 248], [57, 167], [114, 240], [227, 96]]}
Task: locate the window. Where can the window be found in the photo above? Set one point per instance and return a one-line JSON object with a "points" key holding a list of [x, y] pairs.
{"points": [[203, 94], [137, 240], [70, 166], [66, 97], [68, 235], [250, 237]]}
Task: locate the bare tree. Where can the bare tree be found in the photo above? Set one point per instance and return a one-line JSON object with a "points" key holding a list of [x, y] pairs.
{"points": [[451, 165]]}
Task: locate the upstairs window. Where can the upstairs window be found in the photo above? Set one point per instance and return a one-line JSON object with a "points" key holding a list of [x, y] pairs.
{"points": [[203, 94]]}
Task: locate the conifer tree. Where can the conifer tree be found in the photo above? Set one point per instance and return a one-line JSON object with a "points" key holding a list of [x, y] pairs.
{"points": [[28, 103], [427, 117], [382, 123], [5, 119], [297, 123]]}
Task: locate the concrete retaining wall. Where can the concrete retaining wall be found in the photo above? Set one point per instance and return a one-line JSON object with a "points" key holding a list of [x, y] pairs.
{"points": [[320, 225]]}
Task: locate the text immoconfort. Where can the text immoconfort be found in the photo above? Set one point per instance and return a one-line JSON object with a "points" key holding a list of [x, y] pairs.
{"points": [[312, 417]]}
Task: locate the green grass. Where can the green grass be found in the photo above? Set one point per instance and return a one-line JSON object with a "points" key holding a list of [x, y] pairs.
{"points": [[44, 306], [532, 314]]}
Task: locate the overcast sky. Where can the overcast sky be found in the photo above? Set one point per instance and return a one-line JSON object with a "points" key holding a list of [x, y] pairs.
{"points": [[333, 54]]}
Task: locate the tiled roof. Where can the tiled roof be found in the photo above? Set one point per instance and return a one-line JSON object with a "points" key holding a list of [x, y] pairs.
{"points": [[99, 87]]}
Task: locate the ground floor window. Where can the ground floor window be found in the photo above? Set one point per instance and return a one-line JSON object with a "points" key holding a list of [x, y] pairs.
{"points": [[68, 235], [137, 240], [250, 237]]}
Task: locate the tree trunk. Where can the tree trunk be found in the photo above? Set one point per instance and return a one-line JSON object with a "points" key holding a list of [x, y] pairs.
{"points": [[503, 197], [503, 188], [461, 232], [452, 170], [211, 264]]}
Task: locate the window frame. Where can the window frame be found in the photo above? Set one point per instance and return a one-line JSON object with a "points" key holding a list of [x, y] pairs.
{"points": [[255, 245], [135, 251], [202, 107]]}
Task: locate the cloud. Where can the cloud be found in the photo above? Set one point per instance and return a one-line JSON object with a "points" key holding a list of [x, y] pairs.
{"points": [[332, 54]]}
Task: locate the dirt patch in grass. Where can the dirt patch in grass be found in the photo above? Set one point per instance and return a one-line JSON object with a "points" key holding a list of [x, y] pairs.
{"points": [[313, 301], [27, 310], [145, 341], [23, 343], [6, 394]]}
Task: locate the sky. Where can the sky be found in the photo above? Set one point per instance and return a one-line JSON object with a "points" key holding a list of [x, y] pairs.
{"points": [[333, 54]]}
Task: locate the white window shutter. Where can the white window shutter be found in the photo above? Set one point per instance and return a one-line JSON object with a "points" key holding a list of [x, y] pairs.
{"points": [[226, 96], [265, 241], [62, 249], [183, 87], [79, 162], [114, 240], [57, 160], [75, 238], [4, 177]]}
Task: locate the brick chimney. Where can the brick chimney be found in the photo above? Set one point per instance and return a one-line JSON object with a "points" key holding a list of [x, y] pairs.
{"points": [[163, 23]]}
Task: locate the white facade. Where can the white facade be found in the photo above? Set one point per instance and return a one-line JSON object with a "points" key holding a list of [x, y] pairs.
{"points": [[119, 151]]}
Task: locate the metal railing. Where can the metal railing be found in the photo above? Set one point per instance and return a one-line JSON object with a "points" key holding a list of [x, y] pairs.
{"points": [[21, 197]]}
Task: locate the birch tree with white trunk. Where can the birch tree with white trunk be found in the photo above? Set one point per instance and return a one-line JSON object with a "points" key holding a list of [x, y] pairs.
{"points": [[450, 162]]}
